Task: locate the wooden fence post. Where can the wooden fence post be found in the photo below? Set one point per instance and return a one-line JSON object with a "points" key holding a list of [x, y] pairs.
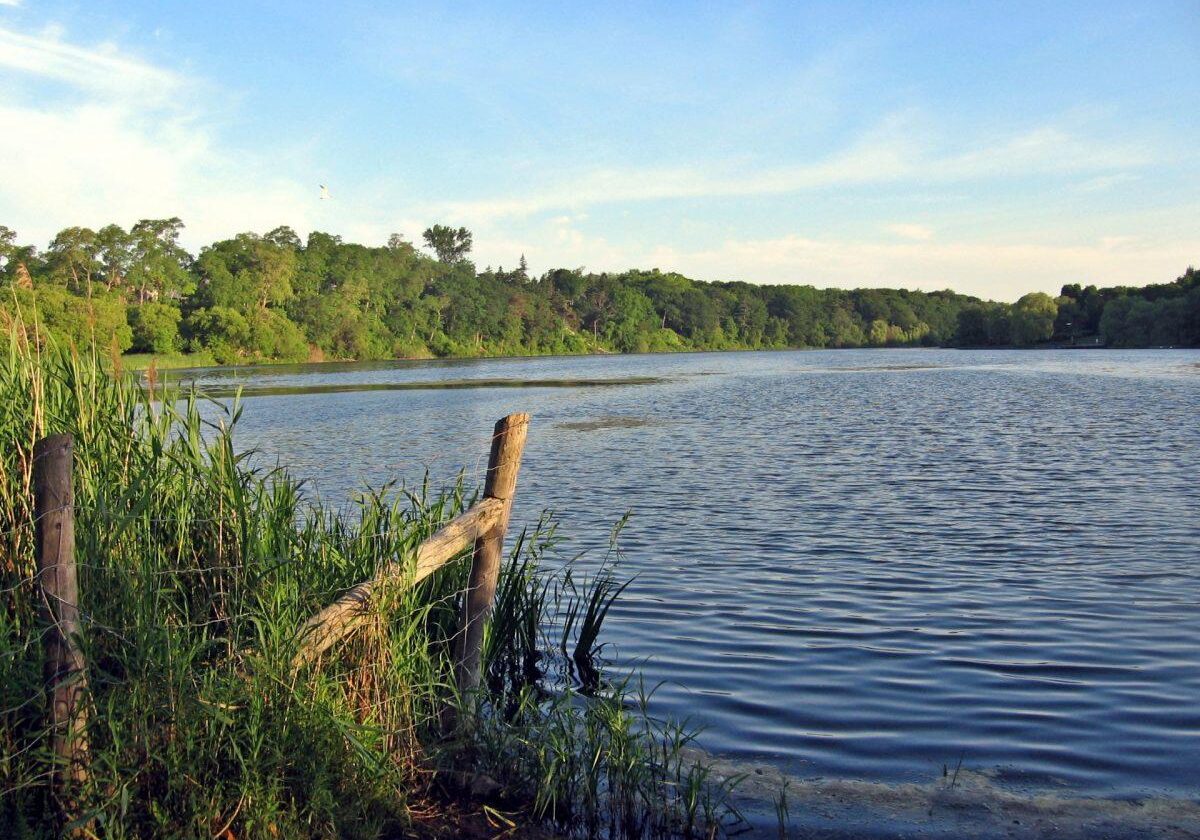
{"points": [[54, 544], [508, 441]]}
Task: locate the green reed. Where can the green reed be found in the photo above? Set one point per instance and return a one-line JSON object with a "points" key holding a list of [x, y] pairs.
{"points": [[196, 568]]}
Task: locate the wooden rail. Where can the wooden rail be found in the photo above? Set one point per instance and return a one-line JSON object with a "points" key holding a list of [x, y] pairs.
{"points": [[482, 527], [353, 607]]}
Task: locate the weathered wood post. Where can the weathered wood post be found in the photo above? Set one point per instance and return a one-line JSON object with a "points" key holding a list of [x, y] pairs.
{"points": [[54, 545], [508, 442]]}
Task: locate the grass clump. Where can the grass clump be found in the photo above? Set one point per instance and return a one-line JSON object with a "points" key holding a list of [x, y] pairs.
{"points": [[166, 361], [196, 568]]}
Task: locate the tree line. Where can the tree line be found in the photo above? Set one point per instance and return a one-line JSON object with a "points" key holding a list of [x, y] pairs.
{"points": [[277, 297]]}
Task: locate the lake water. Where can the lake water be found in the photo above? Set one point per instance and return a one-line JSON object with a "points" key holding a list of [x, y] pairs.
{"points": [[850, 564]]}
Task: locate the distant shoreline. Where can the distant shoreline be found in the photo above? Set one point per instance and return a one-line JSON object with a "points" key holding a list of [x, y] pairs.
{"points": [[171, 362]]}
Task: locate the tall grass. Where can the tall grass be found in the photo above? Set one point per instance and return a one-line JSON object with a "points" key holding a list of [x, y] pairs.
{"points": [[196, 569]]}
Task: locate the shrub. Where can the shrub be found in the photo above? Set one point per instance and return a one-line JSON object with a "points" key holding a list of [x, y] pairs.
{"points": [[155, 328], [53, 312]]}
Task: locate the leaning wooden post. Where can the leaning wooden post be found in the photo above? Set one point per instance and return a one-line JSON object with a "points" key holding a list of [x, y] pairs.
{"points": [[508, 441], [54, 544]]}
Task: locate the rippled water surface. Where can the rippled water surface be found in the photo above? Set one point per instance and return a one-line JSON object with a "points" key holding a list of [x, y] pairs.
{"points": [[863, 564]]}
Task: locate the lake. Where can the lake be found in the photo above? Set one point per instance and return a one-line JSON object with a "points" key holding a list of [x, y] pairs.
{"points": [[861, 564]]}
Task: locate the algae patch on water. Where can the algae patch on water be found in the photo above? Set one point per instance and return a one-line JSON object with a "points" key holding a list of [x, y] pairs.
{"points": [[893, 368], [596, 424], [267, 390], [959, 804]]}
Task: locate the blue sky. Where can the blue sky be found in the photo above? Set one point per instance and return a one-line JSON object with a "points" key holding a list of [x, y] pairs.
{"points": [[992, 148]]}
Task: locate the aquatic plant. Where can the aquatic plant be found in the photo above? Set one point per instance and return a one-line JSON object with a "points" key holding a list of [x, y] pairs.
{"points": [[196, 568]]}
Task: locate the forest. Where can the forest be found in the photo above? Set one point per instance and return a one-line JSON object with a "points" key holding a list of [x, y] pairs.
{"points": [[276, 297]]}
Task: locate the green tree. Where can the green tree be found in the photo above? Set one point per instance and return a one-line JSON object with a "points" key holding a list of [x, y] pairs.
{"points": [[8, 249], [114, 249], [16, 261], [276, 297], [1033, 319], [632, 327], [450, 245], [999, 324], [155, 327], [972, 328], [284, 237], [8, 241], [878, 336], [73, 258], [246, 272], [159, 264], [224, 332], [273, 336]]}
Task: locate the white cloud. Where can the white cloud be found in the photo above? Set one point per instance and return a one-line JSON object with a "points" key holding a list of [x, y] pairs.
{"points": [[1112, 243], [906, 230], [10, 3], [127, 141], [997, 270], [1043, 150], [95, 164]]}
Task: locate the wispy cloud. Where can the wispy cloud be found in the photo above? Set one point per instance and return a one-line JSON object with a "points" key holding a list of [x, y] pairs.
{"points": [[889, 154], [1102, 183], [907, 230], [101, 69]]}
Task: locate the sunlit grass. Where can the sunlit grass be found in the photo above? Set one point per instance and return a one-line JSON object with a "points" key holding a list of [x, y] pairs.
{"points": [[167, 361]]}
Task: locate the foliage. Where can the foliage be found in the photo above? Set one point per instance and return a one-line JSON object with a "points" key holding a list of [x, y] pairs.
{"points": [[276, 297], [71, 320], [450, 245], [158, 264], [155, 327], [1161, 315], [221, 331], [1032, 320], [245, 273], [196, 568], [1158, 315]]}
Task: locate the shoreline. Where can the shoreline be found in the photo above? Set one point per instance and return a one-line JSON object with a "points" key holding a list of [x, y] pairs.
{"points": [[966, 803], [333, 364]]}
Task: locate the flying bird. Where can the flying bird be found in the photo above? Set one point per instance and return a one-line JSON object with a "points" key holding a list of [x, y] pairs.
{"points": [[324, 191]]}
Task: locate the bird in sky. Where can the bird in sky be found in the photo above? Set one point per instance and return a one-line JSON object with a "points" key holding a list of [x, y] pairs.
{"points": [[324, 191]]}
